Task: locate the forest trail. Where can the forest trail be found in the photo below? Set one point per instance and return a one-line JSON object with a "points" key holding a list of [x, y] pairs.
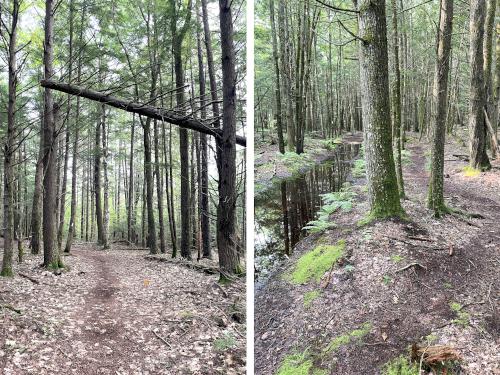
{"points": [[400, 305], [115, 312]]}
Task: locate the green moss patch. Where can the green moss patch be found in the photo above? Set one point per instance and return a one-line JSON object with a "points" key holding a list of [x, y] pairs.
{"points": [[316, 262], [297, 364], [470, 171], [309, 297], [400, 366], [343, 340]]}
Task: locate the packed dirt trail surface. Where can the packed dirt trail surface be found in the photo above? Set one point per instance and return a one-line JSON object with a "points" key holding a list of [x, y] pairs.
{"points": [[398, 283], [114, 312]]}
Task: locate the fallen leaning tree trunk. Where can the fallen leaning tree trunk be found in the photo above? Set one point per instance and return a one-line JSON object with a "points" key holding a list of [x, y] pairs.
{"points": [[141, 109]]}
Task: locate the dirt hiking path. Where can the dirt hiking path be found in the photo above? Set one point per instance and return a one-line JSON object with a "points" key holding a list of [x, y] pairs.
{"points": [[115, 312], [400, 306]]}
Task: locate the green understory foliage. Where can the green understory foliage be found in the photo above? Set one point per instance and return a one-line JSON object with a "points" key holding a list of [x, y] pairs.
{"points": [[309, 297], [299, 364], [316, 262], [470, 171], [463, 318], [331, 202], [345, 339], [331, 144], [401, 366], [406, 157], [295, 162], [359, 168], [224, 343], [7, 272]]}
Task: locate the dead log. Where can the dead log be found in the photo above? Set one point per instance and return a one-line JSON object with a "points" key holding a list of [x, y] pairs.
{"points": [[432, 356], [161, 114], [193, 266]]}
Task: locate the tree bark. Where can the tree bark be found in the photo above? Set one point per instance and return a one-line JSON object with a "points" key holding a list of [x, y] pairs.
{"points": [[477, 125], [226, 235], [396, 103], [382, 183], [279, 120], [440, 96], [51, 253], [97, 184], [488, 63], [9, 148]]}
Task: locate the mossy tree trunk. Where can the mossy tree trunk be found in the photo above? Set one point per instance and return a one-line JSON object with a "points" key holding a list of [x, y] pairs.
{"points": [[440, 96], [381, 174], [477, 124]]}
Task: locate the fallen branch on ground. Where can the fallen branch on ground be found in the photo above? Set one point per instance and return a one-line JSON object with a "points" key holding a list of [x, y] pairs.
{"points": [[414, 264], [33, 280], [162, 339], [193, 266], [11, 308]]}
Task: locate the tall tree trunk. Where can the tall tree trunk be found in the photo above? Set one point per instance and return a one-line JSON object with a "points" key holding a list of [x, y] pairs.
{"points": [[148, 173], [488, 63], [9, 148], [440, 95], [51, 253], [177, 39], [130, 205], [279, 121], [477, 124], [105, 223], [226, 234], [382, 182], [159, 188], [396, 103], [97, 184], [72, 218], [203, 196]]}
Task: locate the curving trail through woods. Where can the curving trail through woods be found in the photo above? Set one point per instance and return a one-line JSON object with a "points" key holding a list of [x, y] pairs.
{"points": [[115, 312], [400, 303]]}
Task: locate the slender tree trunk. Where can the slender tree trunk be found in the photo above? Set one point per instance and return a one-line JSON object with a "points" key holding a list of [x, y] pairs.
{"points": [[105, 224], [477, 124], [203, 196], [178, 37], [72, 229], [382, 182], [488, 63], [279, 120], [159, 188], [148, 172], [130, 205], [97, 185], [226, 234], [440, 95], [9, 148], [396, 103]]}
